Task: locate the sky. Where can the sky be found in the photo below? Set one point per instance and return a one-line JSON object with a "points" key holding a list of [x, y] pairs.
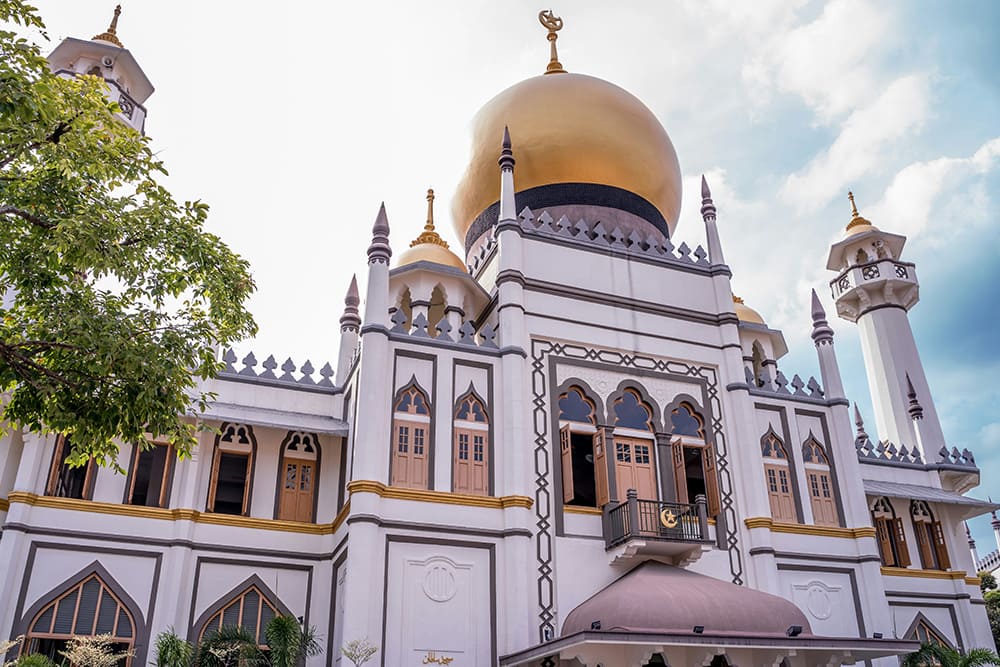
{"points": [[295, 122]]}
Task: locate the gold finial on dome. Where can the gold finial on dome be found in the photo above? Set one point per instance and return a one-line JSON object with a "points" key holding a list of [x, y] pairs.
{"points": [[856, 218], [554, 24], [737, 299], [110, 35], [430, 235]]}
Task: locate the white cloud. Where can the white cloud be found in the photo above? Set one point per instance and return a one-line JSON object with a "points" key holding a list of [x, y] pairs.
{"points": [[865, 138]]}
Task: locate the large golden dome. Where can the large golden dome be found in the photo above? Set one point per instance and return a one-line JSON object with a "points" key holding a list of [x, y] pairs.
{"points": [[570, 128]]}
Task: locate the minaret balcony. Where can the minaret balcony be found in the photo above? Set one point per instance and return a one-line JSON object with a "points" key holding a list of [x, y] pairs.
{"points": [[873, 284], [638, 529]]}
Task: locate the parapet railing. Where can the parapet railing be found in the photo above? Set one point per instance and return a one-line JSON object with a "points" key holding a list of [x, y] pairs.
{"points": [[655, 520]]}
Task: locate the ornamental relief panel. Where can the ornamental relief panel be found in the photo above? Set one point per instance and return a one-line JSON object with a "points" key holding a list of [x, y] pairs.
{"points": [[605, 382]]}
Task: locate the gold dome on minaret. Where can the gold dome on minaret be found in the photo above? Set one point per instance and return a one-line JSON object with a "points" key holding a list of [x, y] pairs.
{"points": [[569, 128], [429, 246]]}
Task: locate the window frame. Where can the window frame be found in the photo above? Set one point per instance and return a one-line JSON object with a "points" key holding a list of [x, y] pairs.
{"points": [[820, 476], [411, 419], [317, 460], [55, 472], [566, 429], [778, 464], [217, 458], [885, 521], [166, 482], [472, 429]]}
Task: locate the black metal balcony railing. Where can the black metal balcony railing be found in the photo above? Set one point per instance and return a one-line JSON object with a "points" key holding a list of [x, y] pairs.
{"points": [[655, 520]]}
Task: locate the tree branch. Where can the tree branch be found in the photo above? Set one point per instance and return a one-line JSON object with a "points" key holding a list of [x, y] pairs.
{"points": [[7, 209]]}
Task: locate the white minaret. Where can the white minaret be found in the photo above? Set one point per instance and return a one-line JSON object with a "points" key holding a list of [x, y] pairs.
{"points": [[106, 57], [875, 289]]}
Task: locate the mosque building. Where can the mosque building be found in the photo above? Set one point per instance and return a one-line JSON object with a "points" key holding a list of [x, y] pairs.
{"points": [[564, 442]]}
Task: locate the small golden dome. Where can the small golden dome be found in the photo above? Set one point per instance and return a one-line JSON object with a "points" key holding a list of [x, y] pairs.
{"points": [[111, 34], [747, 314], [858, 224], [429, 246], [570, 128]]}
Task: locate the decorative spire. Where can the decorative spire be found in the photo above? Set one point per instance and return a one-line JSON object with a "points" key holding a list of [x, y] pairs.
{"points": [[822, 334], [429, 235], [110, 35], [859, 422], [506, 159], [554, 24], [856, 218], [711, 230], [351, 320], [968, 536], [915, 410], [379, 250], [993, 513], [707, 205]]}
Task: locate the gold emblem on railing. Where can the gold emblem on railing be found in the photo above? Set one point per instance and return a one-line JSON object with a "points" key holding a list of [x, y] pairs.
{"points": [[668, 518]]}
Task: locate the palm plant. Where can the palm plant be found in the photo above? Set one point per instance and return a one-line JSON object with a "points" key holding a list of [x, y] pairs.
{"points": [[172, 651], [288, 643], [933, 654], [34, 660], [229, 646]]}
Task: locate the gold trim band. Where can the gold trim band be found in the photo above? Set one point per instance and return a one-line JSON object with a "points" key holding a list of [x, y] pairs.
{"points": [[973, 581], [574, 509], [816, 531], [923, 574], [444, 497], [180, 514], [4, 504]]}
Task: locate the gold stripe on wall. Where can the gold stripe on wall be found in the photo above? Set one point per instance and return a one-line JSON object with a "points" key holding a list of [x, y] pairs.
{"points": [[445, 497], [802, 529]]}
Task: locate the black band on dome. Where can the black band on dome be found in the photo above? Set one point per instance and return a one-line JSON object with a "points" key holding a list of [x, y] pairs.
{"points": [[565, 194]]}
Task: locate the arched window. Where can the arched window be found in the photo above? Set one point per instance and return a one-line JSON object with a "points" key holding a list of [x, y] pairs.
{"points": [[693, 458], [435, 311], [757, 362], [635, 457], [889, 533], [930, 537], [471, 456], [778, 478], [89, 608], [66, 481], [411, 424], [250, 610], [925, 633], [820, 484], [232, 470], [581, 446], [299, 477]]}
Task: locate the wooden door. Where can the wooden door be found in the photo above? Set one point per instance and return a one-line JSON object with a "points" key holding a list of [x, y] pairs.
{"points": [[940, 547], [680, 471], [635, 467], [471, 462], [779, 492], [902, 550], [601, 469], [883, 533], [409, 457], [566, 453], [711, 479], [298, 490], [821, 495]]}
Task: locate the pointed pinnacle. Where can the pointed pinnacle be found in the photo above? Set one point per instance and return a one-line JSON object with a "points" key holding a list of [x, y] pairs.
{"points": [[705, 192], [707, 205], [858, 421], [822, 334], [506, 160], [381, 227], [818, 311], [506, 137], [352, 298], [915, 409]]}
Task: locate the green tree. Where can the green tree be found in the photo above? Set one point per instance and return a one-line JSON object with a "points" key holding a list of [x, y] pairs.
{"points": [[993, 613], [288, 643], [987, 582], [932, 655], [117, 297], [172, 651], [359, 651], [229, 646]]}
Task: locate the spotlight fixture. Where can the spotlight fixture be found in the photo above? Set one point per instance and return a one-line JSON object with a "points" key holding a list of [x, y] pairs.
{"points": [[698, 629], [595, 625], [877, 635], [794, 630]]}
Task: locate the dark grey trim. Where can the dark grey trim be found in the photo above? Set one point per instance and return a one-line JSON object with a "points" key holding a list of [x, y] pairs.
{"points": [[442, 344], [628, 383], [164, 543], [279, 478], [431, 399], [342, 464], [822, 558], [375, 328], [437, 528], [332, 651], [828, 447], [278, 384], [851, 574], [194, 627], [792, 398], [23, 620], [576, 293], [929, 596], [879, 307], [786, 440], [513, 349], [408, 539], [951, 612], [490, 414], [593, 396], [510, 305]]}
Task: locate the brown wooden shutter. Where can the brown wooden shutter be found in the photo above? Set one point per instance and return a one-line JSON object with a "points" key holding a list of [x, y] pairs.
{"points": [[601, 468], [566, 449], [711, 479], [924, 545], [680, 474], [939, 545], [901, 549], [882, 529]]}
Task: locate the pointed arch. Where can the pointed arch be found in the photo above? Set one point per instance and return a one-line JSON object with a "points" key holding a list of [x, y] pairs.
{"points": [[88, 603], [629, 395], [930, 537], [412, 437], [692, 453], [819, 483], [436, 309], [925, 632], [299, 467], [233, 466], [471, 445], [250, 605], [583, 468], [889, 533], [757, 359], [586, 393], [778, 477]]}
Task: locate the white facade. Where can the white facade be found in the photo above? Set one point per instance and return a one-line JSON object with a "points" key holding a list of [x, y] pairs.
{"points": [[470, 547]]}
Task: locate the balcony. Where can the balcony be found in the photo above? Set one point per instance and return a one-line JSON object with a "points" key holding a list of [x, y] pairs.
{"points": [[638, 529]]}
